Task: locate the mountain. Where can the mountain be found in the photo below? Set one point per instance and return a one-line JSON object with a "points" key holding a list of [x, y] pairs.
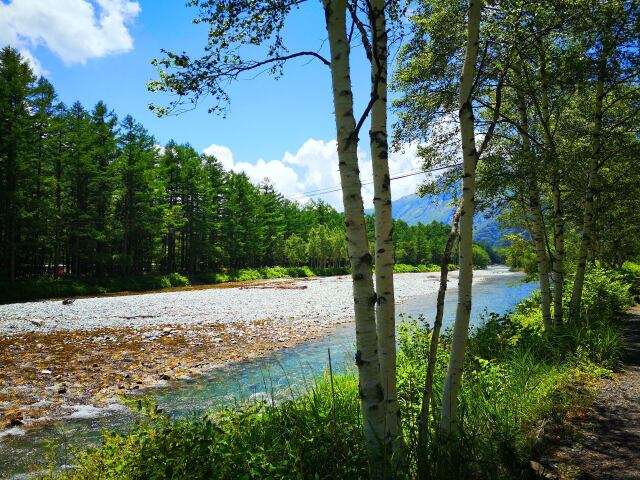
{"points": [[413, 209]]}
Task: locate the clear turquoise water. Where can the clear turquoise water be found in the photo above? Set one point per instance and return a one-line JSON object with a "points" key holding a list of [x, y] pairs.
{"points": [[279, 374]]}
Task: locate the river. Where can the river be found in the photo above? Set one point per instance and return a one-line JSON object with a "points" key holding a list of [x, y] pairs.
{"points": [[282, 372]]}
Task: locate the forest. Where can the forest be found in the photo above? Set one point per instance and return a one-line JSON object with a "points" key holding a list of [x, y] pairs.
{"points": [[85, 194], [529, 110]]}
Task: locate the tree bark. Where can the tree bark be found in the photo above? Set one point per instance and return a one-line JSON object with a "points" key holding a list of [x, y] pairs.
{"points": [[385, 307], [453, 378], [556, 199], [537, 227], [538, 231], [427, 393], [558, 257], [587, 221], [364, 297]]}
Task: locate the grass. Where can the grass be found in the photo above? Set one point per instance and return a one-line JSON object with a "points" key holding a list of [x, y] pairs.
{"points": [[404, 268], [63, 287], [66, 286], [518, 379]]}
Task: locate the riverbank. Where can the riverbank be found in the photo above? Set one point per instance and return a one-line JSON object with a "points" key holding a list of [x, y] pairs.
{"points": [[519, 382], [57, 358], [49, 288]]}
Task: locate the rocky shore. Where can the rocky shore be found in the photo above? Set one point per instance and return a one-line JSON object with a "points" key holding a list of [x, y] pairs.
{"points": [[55, 357]]}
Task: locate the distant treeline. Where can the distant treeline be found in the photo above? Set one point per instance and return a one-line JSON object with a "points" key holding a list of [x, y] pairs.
{"points": [[86, 194]]}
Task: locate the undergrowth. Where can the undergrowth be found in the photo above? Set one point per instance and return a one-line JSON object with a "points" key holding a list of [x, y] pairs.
{"points": [[518, 378], [61, 287]]}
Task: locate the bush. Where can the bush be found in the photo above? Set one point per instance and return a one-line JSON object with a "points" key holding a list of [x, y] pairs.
{"points": [[606, 293], [404, 268], [517, 377], [274, 272], [177, 280], [300, 272], [480, 257]]}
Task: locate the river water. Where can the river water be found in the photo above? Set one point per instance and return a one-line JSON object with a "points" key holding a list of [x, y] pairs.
{"points": [[282, 373]]}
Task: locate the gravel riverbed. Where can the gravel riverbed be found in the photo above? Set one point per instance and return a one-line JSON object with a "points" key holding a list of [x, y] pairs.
{"points": [[325, 300], [56, 358]]}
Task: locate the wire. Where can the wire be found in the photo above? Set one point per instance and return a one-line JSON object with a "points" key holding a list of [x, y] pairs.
{"points": [[337, 188]]}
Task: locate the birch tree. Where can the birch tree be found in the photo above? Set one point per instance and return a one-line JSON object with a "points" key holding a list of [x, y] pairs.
{"points": [[446, 42], [453, 378], [612, 51], [234, 24], [371, 388], [385, 301]]}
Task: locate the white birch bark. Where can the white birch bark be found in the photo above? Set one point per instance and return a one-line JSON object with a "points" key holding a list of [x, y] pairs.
{"points": [[537, 227], [427, 392], [364, 297], [453, 378], [587, 222], [385, 307], [538, 231]]}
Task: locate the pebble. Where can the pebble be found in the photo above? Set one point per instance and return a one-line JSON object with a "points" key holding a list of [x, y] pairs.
{"points": [[328, 301]]}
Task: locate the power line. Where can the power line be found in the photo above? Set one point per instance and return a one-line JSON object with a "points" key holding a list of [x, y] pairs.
{"points": [[337, 188]]}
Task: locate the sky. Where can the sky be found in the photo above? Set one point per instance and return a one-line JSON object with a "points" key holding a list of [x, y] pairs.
{"points": [[282, 129]]}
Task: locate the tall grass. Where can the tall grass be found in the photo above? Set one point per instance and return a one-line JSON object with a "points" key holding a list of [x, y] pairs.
{"points": [[518, 379]]}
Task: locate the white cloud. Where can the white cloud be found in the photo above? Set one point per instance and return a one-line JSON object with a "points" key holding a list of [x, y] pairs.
{"points": [[314, 167], [222, 153], [75, 30]]}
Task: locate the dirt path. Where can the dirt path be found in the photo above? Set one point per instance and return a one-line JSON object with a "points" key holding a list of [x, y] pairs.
{"points": [[607, 445]]}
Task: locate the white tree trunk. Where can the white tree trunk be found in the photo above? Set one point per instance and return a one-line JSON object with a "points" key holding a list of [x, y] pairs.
{"points": [[558, 239], [587, 222], [453, 379], [385, 309], [537, 228], [364, 297], [427, 392], [538, 231]]}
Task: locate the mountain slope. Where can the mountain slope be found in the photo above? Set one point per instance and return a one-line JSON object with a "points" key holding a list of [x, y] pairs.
{"points": [[413, 209]]}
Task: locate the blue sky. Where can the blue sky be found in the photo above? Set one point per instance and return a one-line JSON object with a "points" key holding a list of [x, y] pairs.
{"points": [[101, 50]]}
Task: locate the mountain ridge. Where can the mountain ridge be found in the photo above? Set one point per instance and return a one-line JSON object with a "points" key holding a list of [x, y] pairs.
{"points": [[414, 209]]}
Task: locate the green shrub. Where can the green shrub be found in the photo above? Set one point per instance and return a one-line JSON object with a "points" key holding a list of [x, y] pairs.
{"points": [[300, 272], [274, 272], [331, 271], [480, 257], [606, 293], [404, 268], [177, 280], [517, 376]]}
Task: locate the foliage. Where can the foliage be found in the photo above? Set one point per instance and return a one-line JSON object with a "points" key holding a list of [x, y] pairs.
{"points": [[520, 254], [606, 292], [109, 202], [480, 257], [404, 268], [519, 376]]}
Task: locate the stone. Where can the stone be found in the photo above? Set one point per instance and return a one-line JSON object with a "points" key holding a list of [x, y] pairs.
{"points": [[14, 422]]}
